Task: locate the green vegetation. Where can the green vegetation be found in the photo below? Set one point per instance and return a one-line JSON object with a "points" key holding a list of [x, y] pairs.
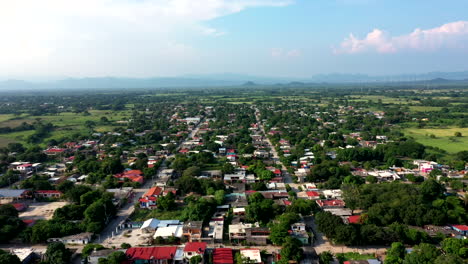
{"points": [[443, 138]]}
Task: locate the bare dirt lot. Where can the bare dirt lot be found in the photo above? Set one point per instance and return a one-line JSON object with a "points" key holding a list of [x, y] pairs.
{"points": [[134, 237], [40, 211]]}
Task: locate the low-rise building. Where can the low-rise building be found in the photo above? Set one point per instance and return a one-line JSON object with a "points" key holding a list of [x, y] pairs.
{"points": [[193, 249], [54, 194], [193, 230]]}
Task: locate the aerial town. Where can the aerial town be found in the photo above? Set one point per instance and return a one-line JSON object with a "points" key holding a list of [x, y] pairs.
{"points": [[233, 132], [253, 176]]}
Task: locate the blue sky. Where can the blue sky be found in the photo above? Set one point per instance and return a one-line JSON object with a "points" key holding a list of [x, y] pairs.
{"points": [[282, 38]]}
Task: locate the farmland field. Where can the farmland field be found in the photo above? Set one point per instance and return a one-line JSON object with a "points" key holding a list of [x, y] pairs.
{"points": [[444, 138]]}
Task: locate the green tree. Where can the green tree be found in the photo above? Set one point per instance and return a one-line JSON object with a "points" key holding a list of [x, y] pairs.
{"points": [[292, 250], [89, 248], [167, 202], [125, 245], [57, 253], [195, 259], [371, 179], [422, 253], [7, 257], [395, 254], [219, 196], [116, 257], [449, 258], [227, 168], [455, 246], [325, 257]]}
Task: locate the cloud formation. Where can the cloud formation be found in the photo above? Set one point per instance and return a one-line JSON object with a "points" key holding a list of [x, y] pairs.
{"points": [[52, 32], [448, 36]]}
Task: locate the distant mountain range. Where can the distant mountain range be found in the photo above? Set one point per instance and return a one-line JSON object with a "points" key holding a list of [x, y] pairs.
{"points": [[227, 79]]}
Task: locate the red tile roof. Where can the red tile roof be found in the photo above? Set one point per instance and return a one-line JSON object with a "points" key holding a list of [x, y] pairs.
{"points": [[354, 219], [199, 247], [222, 256], [331, 203], [155, 191], [146, 253], [55, 150], [29, 222], [313, 194], [133, 172], [461, 227], [19, 206]]}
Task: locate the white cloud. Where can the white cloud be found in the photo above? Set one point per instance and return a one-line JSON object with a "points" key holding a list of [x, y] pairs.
{"points": [[282, 53], [37, 35], [452, 35]]}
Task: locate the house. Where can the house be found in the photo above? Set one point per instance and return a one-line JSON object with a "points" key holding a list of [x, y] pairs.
{"points": [[462, 229], [333, 203], [169, 231], [332, 194], [354, 219], [262, 154], [251, 233], [231, 157], [216, 229], [26, 255], [148, 200], [132, 175], [48, 194], [257, 235], [237, 177], [150, 225], [20, 207], [193, 230], [8, 196], [277, 172], [24, 167], [223, 256], [253, 254], [193, 249], [79, 239], [54, 151], [143, 255], [313, 195], [238, 211], [298, 231]]}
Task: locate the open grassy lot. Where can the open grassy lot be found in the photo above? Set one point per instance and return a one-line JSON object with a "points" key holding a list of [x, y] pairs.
{"points": [[355, 256], [144, 214], [5, 117], [5, 141], [14, 137], [417, 108], [68, 123], [444, 138], [376, 98]]}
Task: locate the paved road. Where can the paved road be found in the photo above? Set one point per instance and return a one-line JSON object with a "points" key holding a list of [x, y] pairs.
{"points": [[322, 244], [129, 208], [286, 177]]}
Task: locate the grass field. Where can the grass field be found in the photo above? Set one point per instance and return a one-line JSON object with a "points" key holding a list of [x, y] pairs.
{"points": [[5, 117], [69, 123], [355, 256], [143, 214], [414, 108], [376, 98], [444, 138]]}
